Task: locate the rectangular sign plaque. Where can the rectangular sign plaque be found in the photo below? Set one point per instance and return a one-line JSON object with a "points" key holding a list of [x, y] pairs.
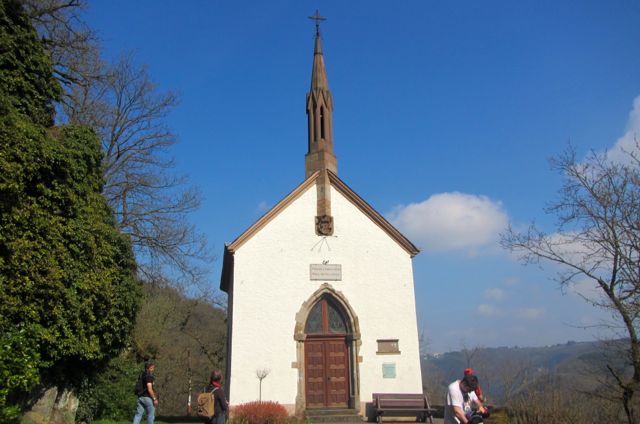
{"points": [[389, 370], [325, 272]]}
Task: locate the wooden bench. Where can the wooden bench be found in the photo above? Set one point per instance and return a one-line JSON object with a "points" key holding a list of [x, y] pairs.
{"points": [[402, 404]]}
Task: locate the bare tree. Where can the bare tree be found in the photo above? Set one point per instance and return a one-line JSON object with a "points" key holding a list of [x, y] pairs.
{"points": [[122, 104], [469, 353], [513, 376], [72, 45], [552, 404], [261, 374], [181, 335], [151, 202], [597, 241]]}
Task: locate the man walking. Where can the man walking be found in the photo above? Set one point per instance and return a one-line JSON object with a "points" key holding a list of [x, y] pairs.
{"points": [[147, 398]]}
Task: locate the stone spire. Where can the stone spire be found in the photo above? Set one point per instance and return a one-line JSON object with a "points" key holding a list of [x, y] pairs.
{"points": [[320, 157], [319, 113]]}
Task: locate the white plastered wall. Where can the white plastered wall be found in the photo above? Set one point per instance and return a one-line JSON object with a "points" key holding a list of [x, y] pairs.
{"points": [[272, 280]]}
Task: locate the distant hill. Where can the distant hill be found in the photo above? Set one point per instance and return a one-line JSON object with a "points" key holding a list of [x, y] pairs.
{"points": [[507, 371]]}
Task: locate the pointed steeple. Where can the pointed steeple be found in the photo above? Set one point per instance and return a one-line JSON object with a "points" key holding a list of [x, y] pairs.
{"points": [[320, 157], [319, 112], [318, 72]]}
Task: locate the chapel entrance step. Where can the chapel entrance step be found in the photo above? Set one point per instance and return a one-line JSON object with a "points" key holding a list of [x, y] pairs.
{"points": [[338, 416]]}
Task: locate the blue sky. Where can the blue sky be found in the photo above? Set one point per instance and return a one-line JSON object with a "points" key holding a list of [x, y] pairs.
{"points": [[446, 113]]}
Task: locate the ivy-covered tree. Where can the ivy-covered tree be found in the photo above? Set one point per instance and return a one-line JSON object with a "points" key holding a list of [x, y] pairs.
{"points": [[68, 293], [28, 84], [128, 111]]}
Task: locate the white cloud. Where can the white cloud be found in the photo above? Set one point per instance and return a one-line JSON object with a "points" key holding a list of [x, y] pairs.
{"points": [[573, 247], [627, 143], [451, 221], [591, 255], [495, 294], [530, 313], [488, 310]]}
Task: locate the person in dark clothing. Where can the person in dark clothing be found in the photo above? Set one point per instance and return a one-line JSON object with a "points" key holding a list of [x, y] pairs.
{"points": [[147, 398], [221, 404]]}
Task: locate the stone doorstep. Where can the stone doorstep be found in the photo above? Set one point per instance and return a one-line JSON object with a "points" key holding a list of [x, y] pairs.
{"points": [[333, 416]]}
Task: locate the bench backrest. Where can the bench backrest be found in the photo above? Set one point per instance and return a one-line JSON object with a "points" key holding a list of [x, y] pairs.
{"points": [[400, 400]]}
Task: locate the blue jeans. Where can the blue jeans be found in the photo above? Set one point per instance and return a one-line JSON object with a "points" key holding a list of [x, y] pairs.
{"points": [[144, 404]]}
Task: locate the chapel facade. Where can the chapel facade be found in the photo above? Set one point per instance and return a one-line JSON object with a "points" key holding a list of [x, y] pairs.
{"points": [[320, 289]]}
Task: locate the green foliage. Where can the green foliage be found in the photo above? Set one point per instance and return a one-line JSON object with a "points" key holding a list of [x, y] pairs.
{"points": [[18, 372], [63, 265], [28, 84], [187, 339], [68, 295], [110, 394]]}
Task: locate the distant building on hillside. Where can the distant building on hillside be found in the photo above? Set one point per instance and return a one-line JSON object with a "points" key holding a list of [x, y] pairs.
{"points": [[320, 289]]}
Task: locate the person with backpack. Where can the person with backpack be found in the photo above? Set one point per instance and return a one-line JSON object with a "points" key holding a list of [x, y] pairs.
{"points": [[220, 404], [147, 396]]}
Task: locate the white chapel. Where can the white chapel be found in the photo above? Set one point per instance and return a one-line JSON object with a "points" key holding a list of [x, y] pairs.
{"points": [[320, 290]]}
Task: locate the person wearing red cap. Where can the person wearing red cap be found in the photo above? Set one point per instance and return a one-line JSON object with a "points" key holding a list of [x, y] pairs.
{"points": [[478, 390]]}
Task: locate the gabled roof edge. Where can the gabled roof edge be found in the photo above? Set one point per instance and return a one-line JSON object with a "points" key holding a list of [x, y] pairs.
{"points": [[272, 213], [378, 219]]}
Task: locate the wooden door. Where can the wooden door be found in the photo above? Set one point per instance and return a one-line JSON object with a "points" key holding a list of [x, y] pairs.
{"points": [[326, 371], [337, 373]]}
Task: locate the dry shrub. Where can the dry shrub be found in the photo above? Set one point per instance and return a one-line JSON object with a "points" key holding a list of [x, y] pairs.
{"points": [[260, 413], [551, 405]]}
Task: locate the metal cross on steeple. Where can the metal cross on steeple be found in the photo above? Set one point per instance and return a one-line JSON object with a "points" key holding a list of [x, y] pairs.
{"points": [[318, 19]]}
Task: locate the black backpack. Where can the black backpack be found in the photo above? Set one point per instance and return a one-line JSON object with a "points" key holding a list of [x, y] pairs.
{"points": [[140, 385]]}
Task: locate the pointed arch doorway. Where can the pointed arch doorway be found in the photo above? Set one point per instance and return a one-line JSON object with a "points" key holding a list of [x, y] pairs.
{"points": [[326, 356], [328, 368]]}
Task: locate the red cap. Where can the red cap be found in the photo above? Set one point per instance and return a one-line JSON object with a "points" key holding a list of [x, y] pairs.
{"points": [[468, 371]]}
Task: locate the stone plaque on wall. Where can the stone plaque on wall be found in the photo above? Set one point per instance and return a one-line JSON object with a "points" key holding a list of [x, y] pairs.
{"points": [[325, 272], [388, 346]]}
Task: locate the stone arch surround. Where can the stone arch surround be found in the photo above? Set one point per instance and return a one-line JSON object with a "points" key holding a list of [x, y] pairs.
{"points": [[353, 340]]}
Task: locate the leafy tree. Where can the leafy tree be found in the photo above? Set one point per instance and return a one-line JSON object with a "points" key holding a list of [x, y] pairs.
{"points": [[18, 367], [25, 69], [187, 339], [109, 393], [598, 241], [68, 295], [151, 204], [128, 112]]}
